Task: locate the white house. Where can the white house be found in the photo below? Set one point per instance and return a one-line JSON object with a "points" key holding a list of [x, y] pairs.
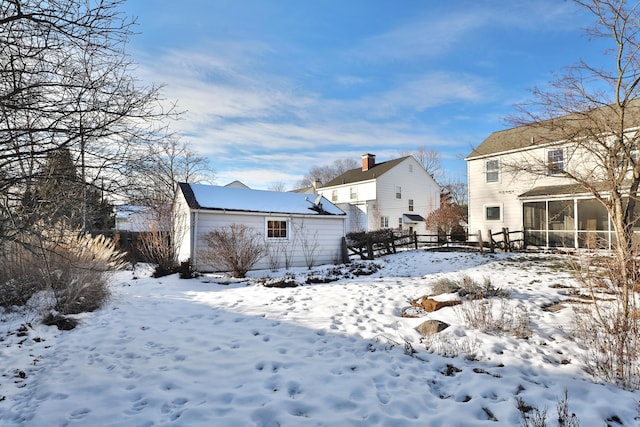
{"points": [[396, 194], [134, 218], [292, 224], [552, 210]]}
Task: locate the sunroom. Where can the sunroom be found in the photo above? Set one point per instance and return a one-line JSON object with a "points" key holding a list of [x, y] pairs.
{"points": [[565, 216]]}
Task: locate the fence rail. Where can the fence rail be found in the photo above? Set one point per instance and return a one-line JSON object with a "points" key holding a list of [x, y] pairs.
{"points": [[370, 245]]}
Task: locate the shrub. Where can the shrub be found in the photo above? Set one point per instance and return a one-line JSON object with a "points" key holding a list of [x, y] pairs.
{"points": [[71, 267], [19, 279], [78, 264], [234, 248], [469, 288], [609, 327], [532, 416], [472, 290], [485, 316], [156, 246], [445, 286]]}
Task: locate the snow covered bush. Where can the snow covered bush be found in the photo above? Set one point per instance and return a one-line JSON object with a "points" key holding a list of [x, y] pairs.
{"points": [[234, 248]]}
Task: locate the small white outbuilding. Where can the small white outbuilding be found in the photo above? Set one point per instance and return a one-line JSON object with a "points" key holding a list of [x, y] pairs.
{"points": [[294, 226]]}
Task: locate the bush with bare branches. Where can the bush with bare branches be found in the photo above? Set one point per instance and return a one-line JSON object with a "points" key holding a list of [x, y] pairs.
{"points": [[234, 248], [609, 327], [69, 266]]}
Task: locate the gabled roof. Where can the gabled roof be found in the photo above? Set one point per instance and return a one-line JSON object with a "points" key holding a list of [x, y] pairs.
{"points": [[556, 129], [213, 197], [358, 175]]}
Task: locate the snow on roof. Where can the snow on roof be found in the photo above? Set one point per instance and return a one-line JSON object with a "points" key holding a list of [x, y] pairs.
{"points": [[124, 211], [242, 199]]}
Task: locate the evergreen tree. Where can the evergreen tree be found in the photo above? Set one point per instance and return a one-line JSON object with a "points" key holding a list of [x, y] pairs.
{"points": [[58, 195]]}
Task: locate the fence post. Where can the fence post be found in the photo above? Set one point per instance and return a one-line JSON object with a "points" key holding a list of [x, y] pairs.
{"points": [[369, 248], [505, 238], [524, 239], [345, 251], [393, 241], [415, 240], [480, 242], [491, 242]]}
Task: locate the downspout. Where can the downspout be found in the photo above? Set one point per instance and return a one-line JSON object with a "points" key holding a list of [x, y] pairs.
{"points": [[194, 241], [576, 233]]}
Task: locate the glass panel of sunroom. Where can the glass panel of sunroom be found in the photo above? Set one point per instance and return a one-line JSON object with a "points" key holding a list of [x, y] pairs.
{"points": [[561, 216], [535, 215], [592, 221], [561, 224]]}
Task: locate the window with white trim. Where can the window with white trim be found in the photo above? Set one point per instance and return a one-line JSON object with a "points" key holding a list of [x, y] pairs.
{"points": [[277, 228], [400, 223], [353, 193], [384, 222], [555, 161], [410, 205], [398, 192], [493, 213], [492, 170], [334, 195]]}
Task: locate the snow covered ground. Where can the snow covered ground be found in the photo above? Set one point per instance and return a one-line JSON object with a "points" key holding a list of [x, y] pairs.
{"points": [[217, 352]]}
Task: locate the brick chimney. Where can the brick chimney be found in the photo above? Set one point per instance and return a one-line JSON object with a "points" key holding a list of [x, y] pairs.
{"points": [[368, 161]]}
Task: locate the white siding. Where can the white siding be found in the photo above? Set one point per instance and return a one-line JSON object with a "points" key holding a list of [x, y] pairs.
{"points": [[326, 232], [511, 184], [355, 207], [377, 198], [183, 221], [416, 184]]}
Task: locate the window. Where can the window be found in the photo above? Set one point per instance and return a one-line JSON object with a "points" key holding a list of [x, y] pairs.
{"points": [[555, 162], [400, 223], [492, 213], [384, 222], [334, 195], [276, 229], [353, 193], [410, 205], [492, 170], [398, 192]]}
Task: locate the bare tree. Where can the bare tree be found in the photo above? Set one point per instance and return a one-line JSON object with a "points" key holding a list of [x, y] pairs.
{"points": [[152, 179], [65, 82], [457, 191], [66, 86], [278, 186], [446, 220], [429, 159], [326, 173], [592, 113]]}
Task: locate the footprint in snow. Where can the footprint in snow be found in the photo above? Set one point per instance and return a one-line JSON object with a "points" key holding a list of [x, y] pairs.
{"points": [[79, 414]]}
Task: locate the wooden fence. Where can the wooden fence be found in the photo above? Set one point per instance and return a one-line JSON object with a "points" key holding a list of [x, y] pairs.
{"points": [[370, 245]]}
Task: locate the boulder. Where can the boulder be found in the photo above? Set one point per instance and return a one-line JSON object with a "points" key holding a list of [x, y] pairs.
{"points": [[431, 305], [431, 327], [414, 311]]}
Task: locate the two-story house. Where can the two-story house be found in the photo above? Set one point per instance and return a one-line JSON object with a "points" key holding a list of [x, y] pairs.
{"points": [[396, 194], [519, 179]]}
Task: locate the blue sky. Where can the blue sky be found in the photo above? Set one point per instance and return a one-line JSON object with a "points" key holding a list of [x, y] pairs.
{"points": [[273, 87]]}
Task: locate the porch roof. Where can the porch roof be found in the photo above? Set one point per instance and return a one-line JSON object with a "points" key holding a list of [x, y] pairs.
{"points": [[555, 190], [412, 218]]}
